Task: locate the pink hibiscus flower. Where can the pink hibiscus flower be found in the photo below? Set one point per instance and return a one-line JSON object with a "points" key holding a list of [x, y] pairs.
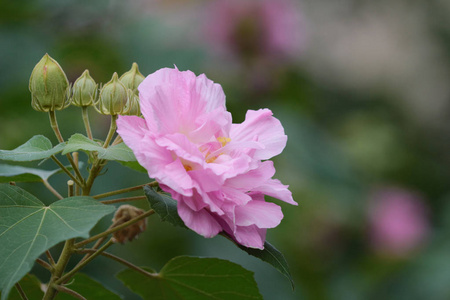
{"points": [[398, 222], [266, 28], [213, 168]]}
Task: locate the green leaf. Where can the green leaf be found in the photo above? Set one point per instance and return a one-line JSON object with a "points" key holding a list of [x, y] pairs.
{"points": [[31, 286], [197, 278], [28, 228], [272, 256], [23, 174], [88, 288], [38, 147], [118, 152], [165, 206], [134, 165]]}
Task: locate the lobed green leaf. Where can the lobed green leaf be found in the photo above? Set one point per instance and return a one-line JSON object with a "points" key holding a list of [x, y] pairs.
{"points": [[28, 228], [36, 148], [197, 278]]}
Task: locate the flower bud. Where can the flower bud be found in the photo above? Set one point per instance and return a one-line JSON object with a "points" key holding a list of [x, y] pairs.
{"points": [[84, 91], [132, 108], [49, 86], [123, 214], [113, 97], [133, 78]]}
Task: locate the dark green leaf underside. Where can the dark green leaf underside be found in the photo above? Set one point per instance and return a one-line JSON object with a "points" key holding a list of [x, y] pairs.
{"points": [[165, 206]]}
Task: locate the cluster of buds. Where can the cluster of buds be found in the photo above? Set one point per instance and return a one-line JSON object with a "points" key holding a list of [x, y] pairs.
{"points": [[50, 90], [123, 214]]}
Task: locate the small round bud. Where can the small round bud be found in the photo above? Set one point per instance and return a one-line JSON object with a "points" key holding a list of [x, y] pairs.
{"points": [[133, 78], [132, 107], [49, 86], [123, 214], [84, 91], [113, 97]]}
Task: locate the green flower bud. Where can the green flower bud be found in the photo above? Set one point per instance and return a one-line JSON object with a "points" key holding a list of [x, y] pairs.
{"points": [[133, 78], [113, 97], [132, 108], [49, 86], [84, 91]]}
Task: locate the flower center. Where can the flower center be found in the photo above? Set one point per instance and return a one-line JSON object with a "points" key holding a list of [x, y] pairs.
{"points": [[223, 141]]}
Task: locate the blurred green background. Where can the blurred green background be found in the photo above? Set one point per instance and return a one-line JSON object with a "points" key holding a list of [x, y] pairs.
{"points": [[361, 87]]}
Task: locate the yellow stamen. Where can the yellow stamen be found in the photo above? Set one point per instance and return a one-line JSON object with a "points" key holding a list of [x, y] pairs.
{"points": [[223, 140]]}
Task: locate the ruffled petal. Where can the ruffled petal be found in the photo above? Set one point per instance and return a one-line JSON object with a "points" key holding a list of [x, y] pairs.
{"points": [[261, 126], [200, 221], [172, 100], [250, 236], [180, 145], [274, 188], [132, 129], [175, 176], [260, 213], [253, 178]]}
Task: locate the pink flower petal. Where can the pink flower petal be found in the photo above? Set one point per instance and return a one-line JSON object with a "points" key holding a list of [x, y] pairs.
{"points": [[172, 100], [182, 148], [200, 221], [266, 129], [250, 236], [132, 129], [260, 213], [253, 178], [175, 176], [274, 188]]}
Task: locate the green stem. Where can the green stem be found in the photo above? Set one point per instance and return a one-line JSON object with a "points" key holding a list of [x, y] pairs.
{"points": [[84, 112], [21, 292], [112, 131], [66, 290], [72, 272], [93, 173], [123, 200], [117, 140], [120, 260], [51, 189], [50, 258], [59, 269], [44, 264], [98, 164], [125, 190], [65, 170], [114, 229], [55, 127]]}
